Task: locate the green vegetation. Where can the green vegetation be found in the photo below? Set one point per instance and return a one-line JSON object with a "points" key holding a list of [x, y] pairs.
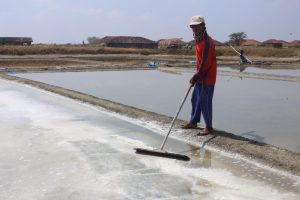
{"points": [[237, 38]]}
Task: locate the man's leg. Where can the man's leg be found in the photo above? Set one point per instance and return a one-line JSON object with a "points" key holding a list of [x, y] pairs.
{"points": [[206, 106], [196, 108], [196, 104]]}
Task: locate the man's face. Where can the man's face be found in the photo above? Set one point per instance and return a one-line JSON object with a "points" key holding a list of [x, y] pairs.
{"points": [[197, 29]]}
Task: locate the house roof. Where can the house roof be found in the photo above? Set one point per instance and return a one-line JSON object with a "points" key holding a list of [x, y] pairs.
{"points": [[284, 42], [125, 39], [273, 41], [295, 43], [250, 42]]}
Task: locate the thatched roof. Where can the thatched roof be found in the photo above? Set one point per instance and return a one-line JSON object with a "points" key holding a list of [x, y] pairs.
{"points": [[125, 39], [170, 41]]}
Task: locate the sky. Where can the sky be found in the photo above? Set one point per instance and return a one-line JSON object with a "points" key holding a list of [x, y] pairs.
{"points": [[73, 21]]}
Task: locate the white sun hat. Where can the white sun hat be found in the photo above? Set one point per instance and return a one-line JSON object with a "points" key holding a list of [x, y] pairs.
{"points": [[196, 20]]}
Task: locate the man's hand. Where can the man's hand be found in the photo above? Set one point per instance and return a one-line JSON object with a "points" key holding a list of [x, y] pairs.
{"points": [[193, 80]]}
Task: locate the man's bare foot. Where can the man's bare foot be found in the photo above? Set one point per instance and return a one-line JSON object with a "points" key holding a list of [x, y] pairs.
{"points": [[190, 125], [205, 131]]}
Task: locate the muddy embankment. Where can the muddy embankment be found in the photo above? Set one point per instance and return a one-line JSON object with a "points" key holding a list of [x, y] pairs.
{"points": [[167, 63], [264, 153]]}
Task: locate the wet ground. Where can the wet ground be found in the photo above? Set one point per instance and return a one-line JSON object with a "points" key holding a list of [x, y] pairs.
{"points": [[78, 62], [59, 148], [270, 71]]}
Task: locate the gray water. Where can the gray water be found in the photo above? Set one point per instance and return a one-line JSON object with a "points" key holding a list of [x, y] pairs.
{"points": [[264, 110], [280, 72]]}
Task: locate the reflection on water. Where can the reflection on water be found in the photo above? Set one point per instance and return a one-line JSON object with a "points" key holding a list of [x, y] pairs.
{"points": [[281, 72], [203, 157], [264, 110]]}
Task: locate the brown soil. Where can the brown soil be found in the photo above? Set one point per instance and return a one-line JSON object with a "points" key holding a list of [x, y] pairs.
{"points": [[54, 61]]}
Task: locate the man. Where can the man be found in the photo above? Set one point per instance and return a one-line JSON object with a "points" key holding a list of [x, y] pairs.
{"points": [[205, 77], [243, 59]]}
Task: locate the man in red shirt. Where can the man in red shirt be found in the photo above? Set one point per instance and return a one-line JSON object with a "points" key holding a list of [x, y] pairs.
{"points": [[205, 77]]}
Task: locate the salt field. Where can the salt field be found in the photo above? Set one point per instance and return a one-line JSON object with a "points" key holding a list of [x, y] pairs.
{"points": [[58, 148]]}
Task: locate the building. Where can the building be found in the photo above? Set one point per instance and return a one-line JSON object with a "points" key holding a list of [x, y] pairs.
{"points": [[127, 42], [173, 43], [15, 40], [284, 43], [250, 42], [275, 43], [295, 43]]}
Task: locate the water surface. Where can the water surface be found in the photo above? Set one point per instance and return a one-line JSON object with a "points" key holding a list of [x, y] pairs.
{"points": [[256, 70], [264, 110]]}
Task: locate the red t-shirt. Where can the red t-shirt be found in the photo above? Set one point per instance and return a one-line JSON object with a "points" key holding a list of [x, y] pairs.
{"points": [[209, 72]]}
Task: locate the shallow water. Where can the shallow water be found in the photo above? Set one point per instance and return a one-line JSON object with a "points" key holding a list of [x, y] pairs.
{"points": [[256, 70], [56, 148], [264, 110]]}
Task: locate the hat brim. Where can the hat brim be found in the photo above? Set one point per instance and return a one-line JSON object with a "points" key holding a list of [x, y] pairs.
{"points": [[195, 23]]}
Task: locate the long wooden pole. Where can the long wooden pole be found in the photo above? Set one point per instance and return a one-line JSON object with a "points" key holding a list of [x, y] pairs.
{"points": [[240, 54]]}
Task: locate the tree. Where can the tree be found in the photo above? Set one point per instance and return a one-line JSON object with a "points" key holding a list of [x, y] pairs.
{"points": [[237, 38], [92, 40]]}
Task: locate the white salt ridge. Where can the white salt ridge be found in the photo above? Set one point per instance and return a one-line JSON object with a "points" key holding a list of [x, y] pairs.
{"points": [[57, 129], [155, 127]]}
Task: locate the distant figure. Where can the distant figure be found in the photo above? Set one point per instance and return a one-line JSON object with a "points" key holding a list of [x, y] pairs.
{"points": [[189, 46], [243, 58]]}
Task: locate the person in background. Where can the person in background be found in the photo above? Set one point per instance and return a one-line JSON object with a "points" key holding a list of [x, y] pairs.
{"points": [[243, 59], [204, 78]]}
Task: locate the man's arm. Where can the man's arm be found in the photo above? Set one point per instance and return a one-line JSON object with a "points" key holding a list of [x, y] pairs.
{"points": [[197, 76]]}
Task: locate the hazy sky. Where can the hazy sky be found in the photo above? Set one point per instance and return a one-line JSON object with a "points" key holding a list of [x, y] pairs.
{"points": [[72, 21]]}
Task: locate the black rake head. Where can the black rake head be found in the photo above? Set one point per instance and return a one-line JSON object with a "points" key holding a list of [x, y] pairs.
{"points": [[162, 154]]}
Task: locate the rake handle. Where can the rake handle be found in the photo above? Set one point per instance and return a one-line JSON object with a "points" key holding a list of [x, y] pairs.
{"points": [[175, 117]]}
